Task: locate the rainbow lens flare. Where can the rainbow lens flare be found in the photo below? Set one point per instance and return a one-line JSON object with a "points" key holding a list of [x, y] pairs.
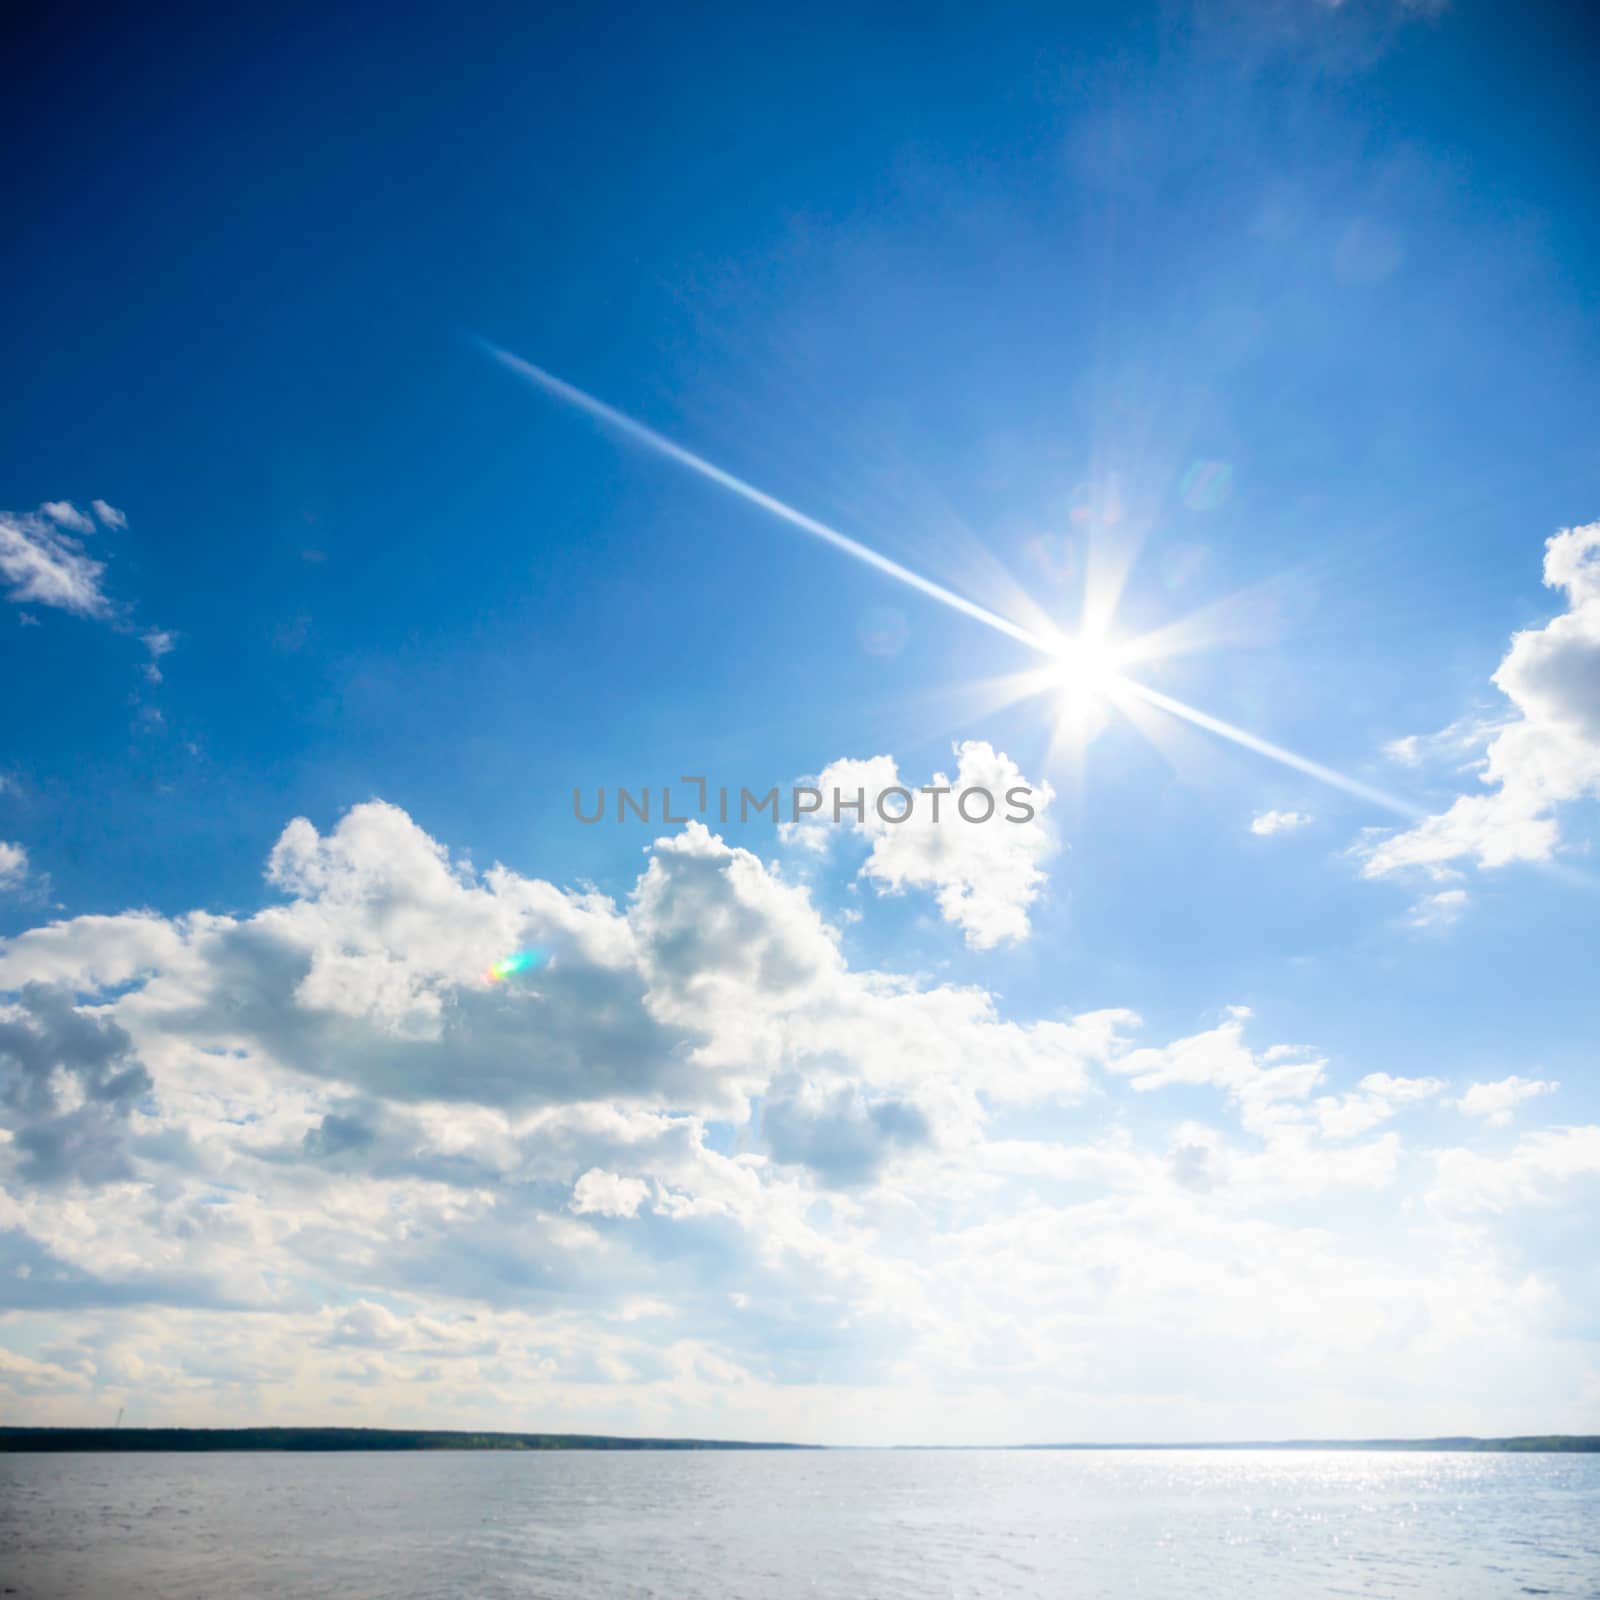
{"points": [[883, 631], [1206, 485], [510, 966]]}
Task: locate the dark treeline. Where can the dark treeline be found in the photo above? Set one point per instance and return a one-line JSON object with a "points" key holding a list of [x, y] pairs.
{"points": [[340, 1439]]}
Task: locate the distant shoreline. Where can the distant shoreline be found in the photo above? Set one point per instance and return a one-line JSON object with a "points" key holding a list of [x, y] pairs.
{"points": [[18, 1440], [322, 1439]]}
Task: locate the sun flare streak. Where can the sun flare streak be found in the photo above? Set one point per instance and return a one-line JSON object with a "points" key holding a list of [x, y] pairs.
{"points": [[1265, 747], [664, 446], [1085, 670]]}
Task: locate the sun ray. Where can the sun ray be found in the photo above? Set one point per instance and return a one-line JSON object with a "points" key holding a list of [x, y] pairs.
{"points": [[1265, 747], [1249, 618], [1085, 670], [662, 445]]}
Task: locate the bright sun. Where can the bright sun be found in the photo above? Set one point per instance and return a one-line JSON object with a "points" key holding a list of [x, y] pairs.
{"points": [[1085, 673]]}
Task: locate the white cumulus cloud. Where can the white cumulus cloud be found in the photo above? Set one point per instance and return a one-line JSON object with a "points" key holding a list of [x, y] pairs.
{"points": [[1545, 756], [1497, 1102], [691, 1171], [604, 1194], [1541, 1167], [985, 874]]}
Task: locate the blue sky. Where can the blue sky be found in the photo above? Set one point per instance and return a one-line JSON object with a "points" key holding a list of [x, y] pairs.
{"points": [[1281, 312]]}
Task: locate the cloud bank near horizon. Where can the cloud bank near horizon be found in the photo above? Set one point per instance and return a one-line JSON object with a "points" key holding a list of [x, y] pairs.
{"points": [[691, 1171]]}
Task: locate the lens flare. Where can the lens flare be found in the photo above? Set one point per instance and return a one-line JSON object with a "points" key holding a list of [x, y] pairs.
{"points": [[1207, 485], [883, 631], [510, 966], [1055, 556]]}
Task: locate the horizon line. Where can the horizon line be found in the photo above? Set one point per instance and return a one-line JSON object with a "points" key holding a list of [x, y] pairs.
{"points": [[115, 1437]]}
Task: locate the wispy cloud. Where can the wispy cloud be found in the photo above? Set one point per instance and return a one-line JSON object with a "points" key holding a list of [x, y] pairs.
{"points": [[43, 563], [66, 515], [1496, 1103], [1461, 745], [1441, 909], [13, 862], [159, 642], [1267, 823]]}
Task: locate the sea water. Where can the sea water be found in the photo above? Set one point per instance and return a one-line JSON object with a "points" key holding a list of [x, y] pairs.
{"points": [[761, 1525]]}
